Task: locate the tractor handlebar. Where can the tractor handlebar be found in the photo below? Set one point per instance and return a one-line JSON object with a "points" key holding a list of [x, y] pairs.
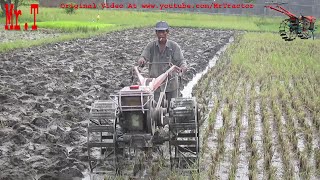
{"points": [[156, 82]]}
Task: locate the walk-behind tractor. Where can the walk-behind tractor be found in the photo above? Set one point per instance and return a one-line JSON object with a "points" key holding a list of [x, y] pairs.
{"points": [[303, 26], [130, 123]]}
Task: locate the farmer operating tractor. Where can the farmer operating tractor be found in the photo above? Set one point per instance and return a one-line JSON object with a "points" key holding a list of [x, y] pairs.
{"points": [[161, 53], [129, 122]]}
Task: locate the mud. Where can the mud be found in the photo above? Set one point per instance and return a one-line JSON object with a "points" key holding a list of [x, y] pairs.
{"points": [[187, 91], [46, 93]]}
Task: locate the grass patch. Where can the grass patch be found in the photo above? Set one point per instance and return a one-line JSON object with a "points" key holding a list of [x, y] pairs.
{"points": [[265, 54], [74, 26]]}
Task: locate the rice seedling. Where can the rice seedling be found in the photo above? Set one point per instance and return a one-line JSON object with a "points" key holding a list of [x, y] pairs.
{"points": [[285, 87]]}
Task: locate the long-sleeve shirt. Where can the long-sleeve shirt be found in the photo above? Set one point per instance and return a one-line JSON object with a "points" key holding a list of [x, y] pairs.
{"points": [[159, 61]]}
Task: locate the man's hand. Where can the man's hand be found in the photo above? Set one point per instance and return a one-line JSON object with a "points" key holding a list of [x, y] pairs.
{"points": [[141, 62], [183, 69]]}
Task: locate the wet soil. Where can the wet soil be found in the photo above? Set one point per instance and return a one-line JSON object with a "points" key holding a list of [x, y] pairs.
{"points": [[46, 93]]}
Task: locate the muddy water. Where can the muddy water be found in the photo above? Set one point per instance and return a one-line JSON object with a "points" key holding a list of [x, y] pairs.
{"points": [[46, 93], [187, 90], [212, 139]]}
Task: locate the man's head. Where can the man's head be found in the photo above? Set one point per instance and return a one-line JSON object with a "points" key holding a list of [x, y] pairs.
{"points": [[162, 31]]}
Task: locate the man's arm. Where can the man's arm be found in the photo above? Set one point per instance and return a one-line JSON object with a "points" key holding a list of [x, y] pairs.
{"points": [[178, 57], [145, 55]]}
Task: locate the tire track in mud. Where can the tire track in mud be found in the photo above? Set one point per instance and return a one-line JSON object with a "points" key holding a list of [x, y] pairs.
{"points": [[46, 92]]}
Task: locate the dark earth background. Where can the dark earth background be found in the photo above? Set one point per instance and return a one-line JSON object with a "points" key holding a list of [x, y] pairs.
{"points": [[46, 93]]}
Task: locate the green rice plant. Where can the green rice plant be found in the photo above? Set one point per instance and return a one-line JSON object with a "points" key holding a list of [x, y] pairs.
{"points": [[225, 114], [251, 145], [290, 126], [70, 9], [74, 26], [209, 129], [272, 173], [267, 164], [317, 160], [235, 153], [276, 69], [212, 167], [316, 118], [304, 169], [218, 155], [305, 97], [2, 124], [284, 144], [253, 162]]}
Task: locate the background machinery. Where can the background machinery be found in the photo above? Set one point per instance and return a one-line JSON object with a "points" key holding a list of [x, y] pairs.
{"points": [[129, 124], [302, 26]]}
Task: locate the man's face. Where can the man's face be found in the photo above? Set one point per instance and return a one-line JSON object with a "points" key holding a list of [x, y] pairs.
{"points": [[162, 35]]}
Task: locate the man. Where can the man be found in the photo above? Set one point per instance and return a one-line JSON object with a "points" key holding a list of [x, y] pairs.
{"points": [[160, 53]]}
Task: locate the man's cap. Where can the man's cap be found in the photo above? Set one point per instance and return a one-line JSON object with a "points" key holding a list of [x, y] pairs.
{"points": [[162, 25]]}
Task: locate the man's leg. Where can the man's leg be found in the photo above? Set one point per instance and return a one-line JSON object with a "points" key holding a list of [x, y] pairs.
{"points": [[170, 95], [156, 95]]}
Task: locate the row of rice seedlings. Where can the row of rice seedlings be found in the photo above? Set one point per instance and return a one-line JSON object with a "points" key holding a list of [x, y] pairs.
{"points": [[309, 99], [2, 124], [304, 166], [225, 133], [276, 168], [218, 154], [258, 127], [209, 129], [287, 112], [290, 125], [243, 105], [235, 154], [236, 141], [310, 126], [207, 93], [306, 130], [316, 117], [232, 142], [315, 79], [213, 116], [267, 141], [315, 83], [284, 144], [301, 116], [251, 145], [307, 94], [311, 79], [204, 92], [317, 160], [202, 89]]}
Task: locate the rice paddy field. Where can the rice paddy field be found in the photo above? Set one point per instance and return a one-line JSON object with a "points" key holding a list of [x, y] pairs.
{"points": [[264, 110], [260, 102]]}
